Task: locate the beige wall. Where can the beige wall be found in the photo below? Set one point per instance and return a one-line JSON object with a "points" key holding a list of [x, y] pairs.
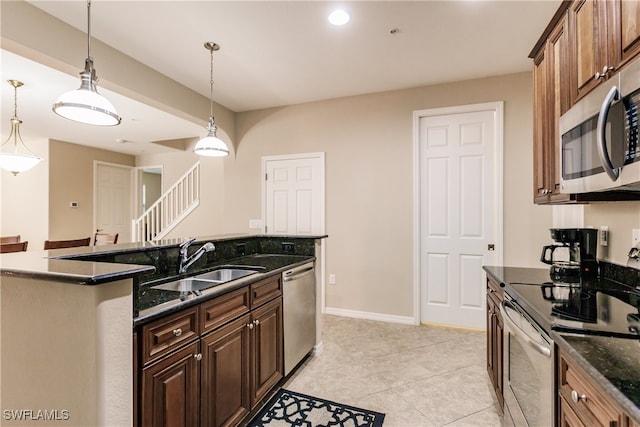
{"points": [[71, 179], [24, 200], [621, 218], [368, 143]]}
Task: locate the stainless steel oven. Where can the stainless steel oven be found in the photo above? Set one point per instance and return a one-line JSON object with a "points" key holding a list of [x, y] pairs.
{"points": [[528, 369]]}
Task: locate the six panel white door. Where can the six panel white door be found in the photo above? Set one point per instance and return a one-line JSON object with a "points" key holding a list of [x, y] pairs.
{"points": [[457, 216], [294, 196]]}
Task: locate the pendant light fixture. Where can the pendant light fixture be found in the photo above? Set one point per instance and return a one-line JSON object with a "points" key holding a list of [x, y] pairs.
{"points": [[16, 157], [211, 145], [85, 104]]}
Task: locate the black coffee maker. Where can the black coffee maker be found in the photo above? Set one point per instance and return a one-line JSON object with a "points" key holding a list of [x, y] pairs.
{"points": [[574, 257]]}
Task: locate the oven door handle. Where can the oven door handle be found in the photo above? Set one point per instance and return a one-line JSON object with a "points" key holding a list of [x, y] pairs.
{"points": [[601, 138], [513, 327]]}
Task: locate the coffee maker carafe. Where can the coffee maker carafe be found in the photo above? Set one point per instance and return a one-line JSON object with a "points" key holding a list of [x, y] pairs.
{"points": [[574, 257]]}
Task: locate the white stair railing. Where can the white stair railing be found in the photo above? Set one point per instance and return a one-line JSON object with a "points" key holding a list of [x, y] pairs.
{"points": [[170, 209]]}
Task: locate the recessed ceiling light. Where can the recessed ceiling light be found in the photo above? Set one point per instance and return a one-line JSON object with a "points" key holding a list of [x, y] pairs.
{"points": [[339, 17]]}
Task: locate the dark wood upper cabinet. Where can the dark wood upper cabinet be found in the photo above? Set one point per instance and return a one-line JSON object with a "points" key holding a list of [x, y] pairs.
{"points": [[585, 43]]}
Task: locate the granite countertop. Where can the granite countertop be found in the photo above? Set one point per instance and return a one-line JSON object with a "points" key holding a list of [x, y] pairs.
{"points": [[613, 363], [59, 265], [154, 303], [36, 265], [505, 275]]}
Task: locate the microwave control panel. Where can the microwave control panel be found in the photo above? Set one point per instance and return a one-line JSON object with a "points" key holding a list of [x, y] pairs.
{"points": [[631, 105]]}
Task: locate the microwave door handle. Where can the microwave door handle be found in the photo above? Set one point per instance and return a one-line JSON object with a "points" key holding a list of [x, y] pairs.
{"points": [[601, 137]]}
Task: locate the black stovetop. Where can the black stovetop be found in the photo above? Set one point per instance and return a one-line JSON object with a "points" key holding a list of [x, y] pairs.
{"points": [[596, 306]]}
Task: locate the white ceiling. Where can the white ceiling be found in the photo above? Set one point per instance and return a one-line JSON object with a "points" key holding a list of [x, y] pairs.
{"points": [[276, 53]]}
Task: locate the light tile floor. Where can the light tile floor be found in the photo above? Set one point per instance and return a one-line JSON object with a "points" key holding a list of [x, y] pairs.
{"points": [[419, 376]]}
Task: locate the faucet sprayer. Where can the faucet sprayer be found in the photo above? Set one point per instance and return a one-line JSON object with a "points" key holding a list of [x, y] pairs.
{"points": [[186, 261]]}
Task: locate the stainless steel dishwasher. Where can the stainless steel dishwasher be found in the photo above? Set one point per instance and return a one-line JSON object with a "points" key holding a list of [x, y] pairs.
{"points": [[299, 313]]}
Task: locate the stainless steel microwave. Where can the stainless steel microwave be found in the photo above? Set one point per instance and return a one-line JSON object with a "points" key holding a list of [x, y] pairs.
{"points": [[599, 137]]}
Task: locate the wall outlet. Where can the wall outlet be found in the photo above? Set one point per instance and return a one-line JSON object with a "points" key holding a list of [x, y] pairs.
{"points": [[288, 248], [635, 237], [604, 235], [255, 223], [73, 204], [332, 279], [241, 249]]}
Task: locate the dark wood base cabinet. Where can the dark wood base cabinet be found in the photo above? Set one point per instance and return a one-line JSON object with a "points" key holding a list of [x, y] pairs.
{"points": [[581, 401], [170, 390], [230, 362], [495, 338]]}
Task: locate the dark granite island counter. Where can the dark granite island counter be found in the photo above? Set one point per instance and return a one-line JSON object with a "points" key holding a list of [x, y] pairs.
{"points": [[66, 319]]}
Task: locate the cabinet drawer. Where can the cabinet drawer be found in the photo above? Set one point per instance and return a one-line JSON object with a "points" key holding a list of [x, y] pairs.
{"points": [[266, 290], [164, 335], [584, 398], [224, 308]]}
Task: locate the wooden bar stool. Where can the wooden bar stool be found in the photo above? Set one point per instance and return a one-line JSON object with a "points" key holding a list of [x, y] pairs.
{"points": [[105, 239], [10, 239], [13, 247], [58, 244]]}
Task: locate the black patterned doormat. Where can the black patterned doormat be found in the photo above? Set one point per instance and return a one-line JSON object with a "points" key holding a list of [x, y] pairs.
{"points": [[288, 408]]}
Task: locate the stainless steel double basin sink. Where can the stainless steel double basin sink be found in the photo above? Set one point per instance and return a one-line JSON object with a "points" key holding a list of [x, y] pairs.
{"points": [[198, 283]]}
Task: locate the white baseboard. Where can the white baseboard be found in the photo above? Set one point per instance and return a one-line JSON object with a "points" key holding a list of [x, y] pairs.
{"points": [[317, 349], [405, 320]]}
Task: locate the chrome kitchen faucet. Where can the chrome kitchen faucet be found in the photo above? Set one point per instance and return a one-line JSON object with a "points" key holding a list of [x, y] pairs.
{"points": [[186, 261]]}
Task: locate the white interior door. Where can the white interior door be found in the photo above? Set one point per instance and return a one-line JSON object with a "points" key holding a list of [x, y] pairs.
{"points": [[294, 194], [112, 200], [460, 211]]}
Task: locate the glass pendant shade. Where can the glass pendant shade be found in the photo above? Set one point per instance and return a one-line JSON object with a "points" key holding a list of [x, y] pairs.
{"points": [[85, 104], [15, 157], [211, 145]]}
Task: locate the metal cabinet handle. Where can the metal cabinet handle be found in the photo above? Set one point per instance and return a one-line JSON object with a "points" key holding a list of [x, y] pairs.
{"points": [[198, 356], [605, 70], [257, 322], [577, 397], [250, 325], [177, 332]]}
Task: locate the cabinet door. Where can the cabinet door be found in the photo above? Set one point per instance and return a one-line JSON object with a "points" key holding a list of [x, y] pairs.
{"points": [[628, 14], [136, 395], [267, 354], [495, 346], [590, 44], [559, 101], [540, 135], [170, 390], [568, 418], [498, 337], [225, 394]]}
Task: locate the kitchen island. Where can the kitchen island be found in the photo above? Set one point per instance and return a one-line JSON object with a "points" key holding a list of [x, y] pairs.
{"points": [[67, 318]]}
